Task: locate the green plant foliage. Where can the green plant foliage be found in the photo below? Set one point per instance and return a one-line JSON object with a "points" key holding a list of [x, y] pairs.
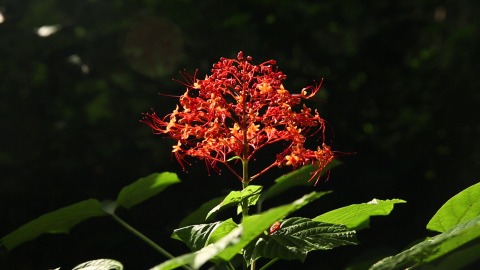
{"points": [[198, 236], [198, 258], [198, 216], [460, 208], [298, 236], [100, 264], [294, 179], [145, 188], [252, 227], [357, 216], [251, 193], [457, 259], [255, 225], [55, 222], [433, 248], [222, 230]]}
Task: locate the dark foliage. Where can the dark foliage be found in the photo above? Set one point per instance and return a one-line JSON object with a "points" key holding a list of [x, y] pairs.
{"points": [[401, 94]]}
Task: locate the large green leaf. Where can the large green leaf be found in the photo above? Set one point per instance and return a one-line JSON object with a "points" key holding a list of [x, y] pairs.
{"points": [[298, 236], [460, 208], [145, 188], [198, 258], [234, 198], [357, 216], [296, 178], [58, 221], [198, 216], [433, 248], [255, 225]]}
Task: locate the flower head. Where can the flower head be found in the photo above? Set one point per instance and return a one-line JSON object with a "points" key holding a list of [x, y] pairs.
{"points": [[238, 110]]}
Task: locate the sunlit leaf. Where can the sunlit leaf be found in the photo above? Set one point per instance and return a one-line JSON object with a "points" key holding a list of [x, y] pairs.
{"points": [[298, 236], [100, 264], [145, 188], [357, 216], [58, 221], [195, 236], [222, 230], [460, 208], [198, 236], [433, 248], [250, 193]]}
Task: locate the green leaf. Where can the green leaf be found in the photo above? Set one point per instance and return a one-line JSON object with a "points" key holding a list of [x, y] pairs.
{"points": [[434, 248], [198, 216], [55, 222], [195, 236], [255, 225], [198, 236], [222, 230], [298, 236], [357, 216], [296, 178], [100, 264], [198, 258], [458, 259], [145, 188], [460, 208], [251, 193]]}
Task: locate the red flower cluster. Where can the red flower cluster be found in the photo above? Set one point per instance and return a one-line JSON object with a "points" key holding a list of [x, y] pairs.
{"points": [[237, 111]]}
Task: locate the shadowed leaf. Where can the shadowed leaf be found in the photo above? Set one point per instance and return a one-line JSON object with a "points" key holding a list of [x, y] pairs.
{"points": [[145, 188], [58, 221], [433, 248]]}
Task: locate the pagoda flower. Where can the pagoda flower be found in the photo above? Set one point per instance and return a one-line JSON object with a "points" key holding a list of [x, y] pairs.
{"points": [[236, 111]]}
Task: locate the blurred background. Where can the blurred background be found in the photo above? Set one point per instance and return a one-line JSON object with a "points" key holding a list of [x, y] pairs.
{"points": [[401, 95]]}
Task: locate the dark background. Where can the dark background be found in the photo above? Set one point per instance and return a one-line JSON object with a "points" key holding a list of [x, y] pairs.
{"points": [[401, 95]]}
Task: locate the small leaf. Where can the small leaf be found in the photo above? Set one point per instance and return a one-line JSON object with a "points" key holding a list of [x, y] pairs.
{"points": [[460, 208], [296, 178], [100, 264], [198, 216], [198, 258], [255, 225], [233, 158], [357, 216], [251, 193], [298, 236], [58, 221], [433, 248], [145, 188]]}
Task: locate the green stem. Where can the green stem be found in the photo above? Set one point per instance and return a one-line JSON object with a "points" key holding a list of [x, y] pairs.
{"points": [[145, 238], [245, 201], [244, 186], [269, 264]]}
